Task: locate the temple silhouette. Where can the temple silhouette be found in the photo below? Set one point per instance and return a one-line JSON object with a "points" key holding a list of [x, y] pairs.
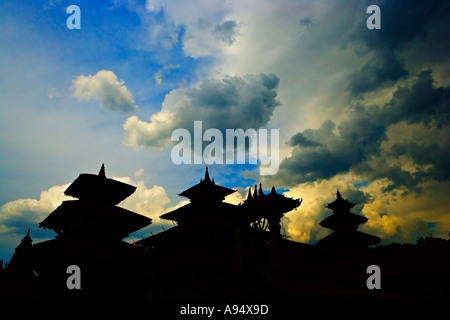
{"points": [[215, 250], [344, 224]]}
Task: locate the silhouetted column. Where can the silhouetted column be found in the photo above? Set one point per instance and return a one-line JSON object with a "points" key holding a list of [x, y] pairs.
{"points": [[275, 237], [241, 250], [238, 251]]}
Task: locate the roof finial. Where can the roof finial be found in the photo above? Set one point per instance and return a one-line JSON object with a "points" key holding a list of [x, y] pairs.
{"points": [[102, 173], [338, 195], [27, 238], [261, 193], [249, 197], [273, 191], [207, 175], [255, 194]]}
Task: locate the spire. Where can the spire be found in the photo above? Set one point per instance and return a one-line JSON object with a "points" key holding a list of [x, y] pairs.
{"points": [[255, 194], [344, 224], [273, 191], [249, 197], [207, 178], [102, 173], [27, 238], [261, 193]]}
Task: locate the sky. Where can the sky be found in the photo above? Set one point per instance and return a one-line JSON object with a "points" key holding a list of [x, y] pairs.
{"points": [[365, 111]]}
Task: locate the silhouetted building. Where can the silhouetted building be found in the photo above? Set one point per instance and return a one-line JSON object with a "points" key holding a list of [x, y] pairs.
{"points": [[95, 213], [89, 235], [232, 232], [22, 250], [344, 224], [216, 251], [206, 203], [263, 212], [198, 231]]}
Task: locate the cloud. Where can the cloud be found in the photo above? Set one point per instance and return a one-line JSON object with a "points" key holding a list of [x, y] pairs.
{"points": [[420, 102], [32, 210], [203, 38], [230, 103], [226, 31], [390, 221], [308, 22], [392, 228], [154, 6], [52, 93], [17, 216], [356, 144], [391, 48], [149, 202], [382, 71], [237, 197], [138, 173], [206, 31], [302, 224], [105, 88], [158, 76]]}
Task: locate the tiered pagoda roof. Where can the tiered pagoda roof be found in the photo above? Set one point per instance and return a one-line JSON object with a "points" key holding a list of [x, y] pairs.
{"points": [[342, 218], [98, 188], [95, 212], [22, 249], [206, 190], [344, 224], [205, 201]]}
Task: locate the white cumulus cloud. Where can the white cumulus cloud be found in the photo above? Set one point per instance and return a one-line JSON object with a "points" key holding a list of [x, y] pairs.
{"points": [[230, 103], [105, 88]]}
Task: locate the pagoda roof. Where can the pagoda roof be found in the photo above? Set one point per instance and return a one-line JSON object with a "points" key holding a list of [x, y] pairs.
{"points": [[340, 204], [171, 235], [262, 205], [198, 211], [22, 250], [348, 240], [206, 190], [99, 188], [78, 216], [345, 220]]}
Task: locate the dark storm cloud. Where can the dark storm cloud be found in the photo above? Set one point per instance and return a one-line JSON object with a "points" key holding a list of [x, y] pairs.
{"points": [[230, 103], [233, 102], [226, 31], [427, 154], [403, 22], [421, 102], [301, 140], [323, 153], [408, 29], [382, 71], [405, 25], [308, 22]]}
